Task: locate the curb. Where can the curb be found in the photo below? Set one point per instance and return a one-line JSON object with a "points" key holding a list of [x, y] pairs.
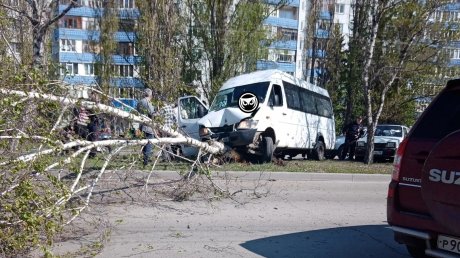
{"points": [[287, 176]]}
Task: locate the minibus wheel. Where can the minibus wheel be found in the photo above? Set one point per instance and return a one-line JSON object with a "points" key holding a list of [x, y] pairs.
{"points": [[266, 149]]}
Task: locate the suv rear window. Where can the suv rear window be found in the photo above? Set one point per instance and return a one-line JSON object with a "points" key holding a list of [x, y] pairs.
{"points": [[441, 118]]}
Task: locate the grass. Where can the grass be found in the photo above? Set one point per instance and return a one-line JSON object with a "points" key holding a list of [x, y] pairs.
{"points": [[309, 166], [326, 166]]}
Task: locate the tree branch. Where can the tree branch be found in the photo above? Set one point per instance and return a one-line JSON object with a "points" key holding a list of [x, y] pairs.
{"points": [[20, 12], [59, 16]]}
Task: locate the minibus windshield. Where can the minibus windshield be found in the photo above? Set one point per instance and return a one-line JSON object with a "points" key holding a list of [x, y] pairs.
{"points": [[229, 97]]}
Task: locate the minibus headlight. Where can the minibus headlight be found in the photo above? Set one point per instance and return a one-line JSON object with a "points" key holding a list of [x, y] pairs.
{"points": [[204, 131], [247, 124], [360, 144], [391, 145]]}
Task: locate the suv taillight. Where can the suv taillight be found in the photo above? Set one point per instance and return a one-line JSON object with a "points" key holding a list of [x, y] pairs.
{"points": [[398, 159]]}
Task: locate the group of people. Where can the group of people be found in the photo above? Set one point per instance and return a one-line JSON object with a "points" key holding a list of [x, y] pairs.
{"points": [[166, 113], [93, 125], [90, 124]]}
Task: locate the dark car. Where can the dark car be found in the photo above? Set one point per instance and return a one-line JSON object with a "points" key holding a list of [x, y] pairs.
{"points": [[423, 205]]}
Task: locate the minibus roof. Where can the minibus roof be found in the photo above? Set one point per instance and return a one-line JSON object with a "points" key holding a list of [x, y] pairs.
{"points": [[270, 75]]}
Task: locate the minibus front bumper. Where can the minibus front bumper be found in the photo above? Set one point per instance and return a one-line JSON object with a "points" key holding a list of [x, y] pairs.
{"points": [[240, 137]]}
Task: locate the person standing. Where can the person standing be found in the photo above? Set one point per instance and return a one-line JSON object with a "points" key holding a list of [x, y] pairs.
{"points": [[145, 107], [168, 116], [353, 131], [168, 113]]}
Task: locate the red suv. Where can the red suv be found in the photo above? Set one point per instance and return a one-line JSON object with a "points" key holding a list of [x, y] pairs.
{"points": [[423, 205]]}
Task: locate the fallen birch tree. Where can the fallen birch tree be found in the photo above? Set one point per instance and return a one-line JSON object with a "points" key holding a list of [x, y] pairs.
{"points": [[47, 182]]}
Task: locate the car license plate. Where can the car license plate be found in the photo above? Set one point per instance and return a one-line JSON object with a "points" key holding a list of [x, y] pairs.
{"points": [[449, 244], [225, 139], [378, 152]]}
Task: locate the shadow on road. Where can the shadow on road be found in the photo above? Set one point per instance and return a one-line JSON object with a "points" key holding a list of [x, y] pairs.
{"points": [[356, 241]]}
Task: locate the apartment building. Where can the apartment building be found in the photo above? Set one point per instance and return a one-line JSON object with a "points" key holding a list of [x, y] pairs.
{"points": [[285, 24], [343, 17], [77, 46], [294, 50]]}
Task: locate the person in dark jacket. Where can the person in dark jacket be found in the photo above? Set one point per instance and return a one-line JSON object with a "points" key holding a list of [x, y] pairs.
{"points": [[353, 131]]}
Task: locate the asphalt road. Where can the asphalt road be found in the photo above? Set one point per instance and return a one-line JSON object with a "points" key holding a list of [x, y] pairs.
{"points": [[288, 215]]}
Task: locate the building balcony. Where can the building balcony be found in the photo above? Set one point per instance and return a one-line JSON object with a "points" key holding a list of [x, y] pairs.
{"points": [[319, 53], [322, 34], [79, 34], [451, 7], [73, 57], [317, 72], [284, 44], [282, 22], [295, 3], [132, 13], [123, 60], [325, 15], [79, 80], [122, 82], [285, 67], [81, 11], [454, 62]]}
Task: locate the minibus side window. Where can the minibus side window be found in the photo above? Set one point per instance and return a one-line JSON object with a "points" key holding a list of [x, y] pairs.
{"points": [[308, 102], [276, 96], [292, 96], [324, 107]]}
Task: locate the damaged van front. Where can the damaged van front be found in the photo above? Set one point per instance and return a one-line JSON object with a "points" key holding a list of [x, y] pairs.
{"points": [[227, 123]]}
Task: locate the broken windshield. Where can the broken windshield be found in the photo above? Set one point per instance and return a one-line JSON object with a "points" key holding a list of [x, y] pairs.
{"points": [[229, 97]]}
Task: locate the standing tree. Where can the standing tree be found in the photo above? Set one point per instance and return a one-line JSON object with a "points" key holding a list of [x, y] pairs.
{"points": [[334, 78], [398, 43], [108, 24], [159, 37], [227, 37], [41, 15]]}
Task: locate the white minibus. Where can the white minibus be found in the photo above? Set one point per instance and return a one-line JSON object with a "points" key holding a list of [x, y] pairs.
{"points": [[291, 117]]}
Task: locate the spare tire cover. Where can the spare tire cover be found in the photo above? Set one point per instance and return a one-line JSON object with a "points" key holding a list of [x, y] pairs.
{"points": [[441, 182]]}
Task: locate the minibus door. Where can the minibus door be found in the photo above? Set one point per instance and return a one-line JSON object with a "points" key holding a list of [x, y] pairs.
{"points": [[190, 110], [278, 115]]}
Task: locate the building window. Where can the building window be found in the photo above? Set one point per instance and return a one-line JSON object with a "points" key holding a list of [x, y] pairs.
{"points": [[285, 56], [90, 24], [287, 34], [123, 70], [125, 3], [14, 3], [288, 13], [67, 45], [127, 25], [90, 46], [69, 69], [339, 26], [92, 3], [339, 8], [89, 69], [125, 48], [71, 22], [324, 24], [451, 16], [454, 53]]}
